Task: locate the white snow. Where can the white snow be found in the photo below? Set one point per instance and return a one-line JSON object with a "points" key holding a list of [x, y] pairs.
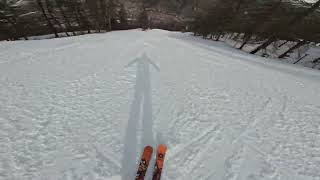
{"points": [[83, 108]]}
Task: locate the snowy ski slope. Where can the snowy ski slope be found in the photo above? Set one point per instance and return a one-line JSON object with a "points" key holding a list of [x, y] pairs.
{"points": [[83, 108]]}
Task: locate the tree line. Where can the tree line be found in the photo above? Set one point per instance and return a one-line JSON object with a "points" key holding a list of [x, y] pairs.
{"points": [[70, 17], [25, 18], [293, 23], [260, 22]]}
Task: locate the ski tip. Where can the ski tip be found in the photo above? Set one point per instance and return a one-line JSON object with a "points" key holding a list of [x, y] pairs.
{"points": [[148, 148], [147, 151], [162, 147]]}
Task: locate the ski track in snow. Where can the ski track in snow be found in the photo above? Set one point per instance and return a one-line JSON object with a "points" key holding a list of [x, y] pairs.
{"points": [[65, 106]]}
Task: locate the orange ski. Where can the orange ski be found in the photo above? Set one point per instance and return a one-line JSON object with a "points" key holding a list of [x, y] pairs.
{"points": [[144, 163], [161, 152]]}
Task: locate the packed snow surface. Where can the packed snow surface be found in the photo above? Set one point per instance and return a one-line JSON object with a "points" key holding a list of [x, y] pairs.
{"points": [[84, 107]]}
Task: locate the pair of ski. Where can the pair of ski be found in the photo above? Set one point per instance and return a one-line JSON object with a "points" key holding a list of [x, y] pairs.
{"points": [[145, 160]]}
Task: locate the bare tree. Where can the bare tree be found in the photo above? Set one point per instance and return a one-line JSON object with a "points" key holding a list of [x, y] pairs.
{"points": [[66, 20], [103, 7], [123, 17], [144, 19], [52, 15], [299, 44], [54, 30], [10, 17], [81, 16], [291, 23], [111, 13]]}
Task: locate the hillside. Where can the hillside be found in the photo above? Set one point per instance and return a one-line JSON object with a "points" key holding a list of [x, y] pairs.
{"points": [[83, 107]]}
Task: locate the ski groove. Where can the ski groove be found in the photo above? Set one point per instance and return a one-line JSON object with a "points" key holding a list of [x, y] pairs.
{"points": [[255, 120]]}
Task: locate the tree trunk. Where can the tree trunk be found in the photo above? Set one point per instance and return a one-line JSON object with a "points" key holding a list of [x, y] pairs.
{"points": [[236, 36], [81, 26], [245, 40], [195, 5], [283, 44], [301, 58], [316, 61], [18, 30], [98, 17], [217, 37], [53, 17], [84, 19], [299, 44], [69, 26], [47, 19], [109, 23], [111, 7], [13, 33], [264, 45], [238, 6], [242, 45], [103, 8]]}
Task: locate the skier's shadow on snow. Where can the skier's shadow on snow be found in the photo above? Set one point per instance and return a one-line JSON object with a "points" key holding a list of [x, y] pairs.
{"points": [[141, 111]]}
